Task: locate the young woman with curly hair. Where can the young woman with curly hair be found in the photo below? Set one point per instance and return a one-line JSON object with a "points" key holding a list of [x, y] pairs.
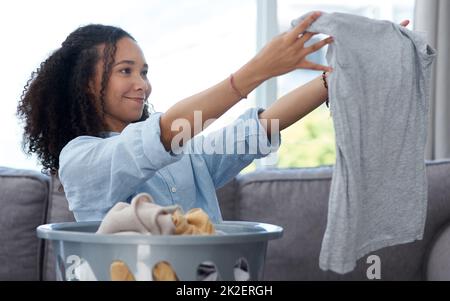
{"points": [[86, 117]]}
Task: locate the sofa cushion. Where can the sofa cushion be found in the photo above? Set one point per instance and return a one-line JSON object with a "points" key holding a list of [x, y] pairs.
{"points": [[227, 200], [297, 200], [58, 212], [23, 199]]}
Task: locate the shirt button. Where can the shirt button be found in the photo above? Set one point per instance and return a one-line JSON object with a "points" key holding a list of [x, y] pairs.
{"points": [[174, 189]]}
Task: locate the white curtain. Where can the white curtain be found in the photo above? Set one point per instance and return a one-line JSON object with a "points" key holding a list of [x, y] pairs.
{"points": [[433, 17]]}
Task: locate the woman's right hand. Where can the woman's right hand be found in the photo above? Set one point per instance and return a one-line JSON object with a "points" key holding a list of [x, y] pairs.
{"points": [[287, 52]]}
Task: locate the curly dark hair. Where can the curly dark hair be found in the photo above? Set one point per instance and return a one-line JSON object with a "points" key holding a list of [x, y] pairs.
{"points": [[56, 104]]}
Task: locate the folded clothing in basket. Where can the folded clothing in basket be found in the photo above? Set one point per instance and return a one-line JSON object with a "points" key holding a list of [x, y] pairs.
{"points": [[143, 216]]}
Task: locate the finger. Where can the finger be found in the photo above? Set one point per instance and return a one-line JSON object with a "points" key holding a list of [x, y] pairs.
{"points": [[306, 37], [319, 45], [302, 26], [404, 23], [314, 66]]}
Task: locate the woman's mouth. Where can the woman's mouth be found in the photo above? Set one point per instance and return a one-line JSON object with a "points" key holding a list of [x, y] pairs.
{"points": [[139, 100]]}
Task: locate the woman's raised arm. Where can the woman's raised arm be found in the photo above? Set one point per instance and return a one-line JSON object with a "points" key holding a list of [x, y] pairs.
{"points": [[283, 54]]}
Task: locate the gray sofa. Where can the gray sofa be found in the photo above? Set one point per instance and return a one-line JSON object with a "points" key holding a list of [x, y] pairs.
{"points": [[296, 199]]}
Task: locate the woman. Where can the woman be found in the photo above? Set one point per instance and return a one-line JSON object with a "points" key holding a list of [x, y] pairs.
{"points": [[86, 116]]}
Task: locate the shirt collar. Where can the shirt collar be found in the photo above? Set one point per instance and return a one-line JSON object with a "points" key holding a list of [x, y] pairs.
{"points": [[108, 134]]}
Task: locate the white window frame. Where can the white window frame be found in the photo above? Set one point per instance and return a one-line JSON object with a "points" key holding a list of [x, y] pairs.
{"points": [[266, 94]]}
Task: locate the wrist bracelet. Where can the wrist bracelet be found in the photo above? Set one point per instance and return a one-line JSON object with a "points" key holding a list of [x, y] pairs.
{"points": [[324, 78], [235, 89]]}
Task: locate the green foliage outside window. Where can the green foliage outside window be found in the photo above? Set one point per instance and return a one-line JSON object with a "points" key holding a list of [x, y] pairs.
{"points": [[308, 143]]}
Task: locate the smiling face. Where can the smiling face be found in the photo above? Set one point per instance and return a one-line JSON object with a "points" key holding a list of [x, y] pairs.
{"points": [[128, 86]]}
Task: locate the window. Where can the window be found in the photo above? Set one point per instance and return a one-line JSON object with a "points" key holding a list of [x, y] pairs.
{"points": [[189, 45]]}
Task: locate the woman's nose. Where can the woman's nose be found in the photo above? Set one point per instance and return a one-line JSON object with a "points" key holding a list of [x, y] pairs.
{"points": [[140, 83]]}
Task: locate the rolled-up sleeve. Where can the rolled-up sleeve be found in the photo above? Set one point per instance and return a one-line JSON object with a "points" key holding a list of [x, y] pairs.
{"points": [[97, 173], [229, 150]]}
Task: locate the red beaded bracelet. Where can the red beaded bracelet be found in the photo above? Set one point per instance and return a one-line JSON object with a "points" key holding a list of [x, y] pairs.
{"points": [[235, 89]]}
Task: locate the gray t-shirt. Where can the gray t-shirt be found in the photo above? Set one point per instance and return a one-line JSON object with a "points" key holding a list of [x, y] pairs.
{"points": [[379, 101]]}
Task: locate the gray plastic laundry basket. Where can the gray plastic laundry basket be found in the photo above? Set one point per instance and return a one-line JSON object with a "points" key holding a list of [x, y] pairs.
{"points": [[239, 248]]}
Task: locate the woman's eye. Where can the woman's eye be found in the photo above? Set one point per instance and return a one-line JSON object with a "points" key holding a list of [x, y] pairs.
{"points": [[125, 71]]}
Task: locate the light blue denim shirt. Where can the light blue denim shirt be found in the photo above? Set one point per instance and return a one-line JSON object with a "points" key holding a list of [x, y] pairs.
{"points": [[96, 173]]}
